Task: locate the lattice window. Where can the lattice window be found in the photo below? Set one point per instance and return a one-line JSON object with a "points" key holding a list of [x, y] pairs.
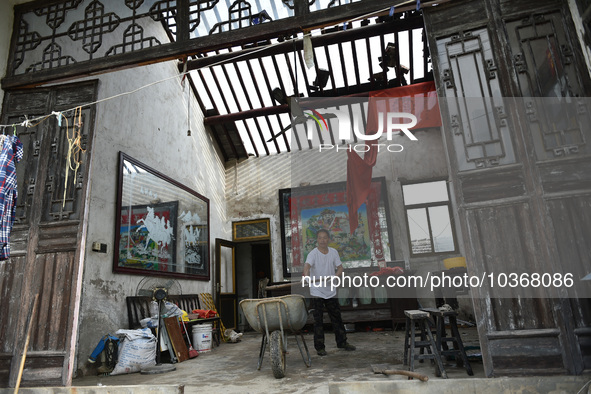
{"points": [[52, 57], [133, 39], [195, 10], [60, 205], [96, 23], [26, 170], [240, 15], [56, 13], [25, 42], [544, 62], [166, 10], [477, 112], [62, 32]]}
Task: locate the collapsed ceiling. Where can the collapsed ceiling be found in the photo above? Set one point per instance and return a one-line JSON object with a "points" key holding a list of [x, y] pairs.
{"points": [[244, 90]]}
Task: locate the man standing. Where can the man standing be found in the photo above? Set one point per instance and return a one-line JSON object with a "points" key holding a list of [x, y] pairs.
{"points": [[324, 261]]}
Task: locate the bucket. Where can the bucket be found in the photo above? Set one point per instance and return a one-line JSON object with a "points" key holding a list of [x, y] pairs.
{"points": [[454, 262], [202, 337]]}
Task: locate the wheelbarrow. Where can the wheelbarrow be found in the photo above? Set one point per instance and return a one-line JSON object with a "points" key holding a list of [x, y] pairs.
{"points": [[275, 317]]}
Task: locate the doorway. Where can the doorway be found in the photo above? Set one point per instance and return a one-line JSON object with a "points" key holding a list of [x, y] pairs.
{"points": [[253, 263]]}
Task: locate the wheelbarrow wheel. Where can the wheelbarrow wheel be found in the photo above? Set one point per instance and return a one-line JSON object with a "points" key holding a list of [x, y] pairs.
{"points": [[277, 355]]}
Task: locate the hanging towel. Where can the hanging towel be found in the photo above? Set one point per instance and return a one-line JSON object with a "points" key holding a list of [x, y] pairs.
{"points": [[12, 153]]}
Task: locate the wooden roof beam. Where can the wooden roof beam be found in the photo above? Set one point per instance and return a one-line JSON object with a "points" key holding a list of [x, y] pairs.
{"points": [[317, 41]]}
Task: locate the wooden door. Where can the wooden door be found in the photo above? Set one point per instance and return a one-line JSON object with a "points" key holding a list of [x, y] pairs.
{"points": [[226, 299], [47, 240], [522, 193]]}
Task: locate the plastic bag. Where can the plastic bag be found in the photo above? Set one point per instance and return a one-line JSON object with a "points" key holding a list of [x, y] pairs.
{"points": [[137, 350], [171, 309]]}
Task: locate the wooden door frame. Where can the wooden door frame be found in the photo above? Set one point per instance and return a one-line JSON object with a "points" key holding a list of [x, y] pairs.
{"points": [[217, 295]]}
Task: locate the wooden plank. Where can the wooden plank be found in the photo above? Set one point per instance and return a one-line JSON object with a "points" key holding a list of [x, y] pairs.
{"points": [[515, 364], [453, 17], [511, 7], [585, 346], [565, 175], [5, 363], [527, 353], [43, 369], [571, 223], [514, 334], [176, 338], [498, 183], [26, 101], [11, 272], [19, 238], [504, 236], [58, 238], [67, 97], [23, 354], [63, 279]]}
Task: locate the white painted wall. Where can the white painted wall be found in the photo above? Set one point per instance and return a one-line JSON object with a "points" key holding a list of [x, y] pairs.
{"points": [[150, 126]]}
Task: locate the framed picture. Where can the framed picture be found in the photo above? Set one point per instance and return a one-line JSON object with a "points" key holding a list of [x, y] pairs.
{"points": [[251, 230], [306, 210], [162, 226], [147, 236], [195, 243]]}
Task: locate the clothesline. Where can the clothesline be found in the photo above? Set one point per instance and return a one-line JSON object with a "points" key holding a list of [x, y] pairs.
{"points": [[37, 120]]}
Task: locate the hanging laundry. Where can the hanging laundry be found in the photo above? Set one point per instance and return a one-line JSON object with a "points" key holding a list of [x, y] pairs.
{"points": [[12, 153]]}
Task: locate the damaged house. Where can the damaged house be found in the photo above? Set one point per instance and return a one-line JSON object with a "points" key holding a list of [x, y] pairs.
{"points": [[161, 141]]}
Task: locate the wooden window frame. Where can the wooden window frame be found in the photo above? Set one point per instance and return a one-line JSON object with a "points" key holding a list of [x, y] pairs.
{"points": [[426, 207]]}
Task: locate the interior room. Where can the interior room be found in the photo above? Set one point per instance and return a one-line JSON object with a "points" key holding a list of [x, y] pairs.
{"points": [[187, 156]]}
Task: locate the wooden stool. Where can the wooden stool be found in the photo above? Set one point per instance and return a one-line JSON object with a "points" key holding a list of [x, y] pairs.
{"points": [[416, 319], [458, 350]]}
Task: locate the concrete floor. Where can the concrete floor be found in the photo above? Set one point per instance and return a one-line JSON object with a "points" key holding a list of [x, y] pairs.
{"points": [[231, 368]]}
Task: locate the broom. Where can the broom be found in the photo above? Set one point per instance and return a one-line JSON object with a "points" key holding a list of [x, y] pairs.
{"points": [[192, 352]]}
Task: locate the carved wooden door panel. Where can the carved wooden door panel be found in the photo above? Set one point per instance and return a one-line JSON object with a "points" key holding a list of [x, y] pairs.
{"points": [[555, 87], [47, 237], [508, 214]]}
